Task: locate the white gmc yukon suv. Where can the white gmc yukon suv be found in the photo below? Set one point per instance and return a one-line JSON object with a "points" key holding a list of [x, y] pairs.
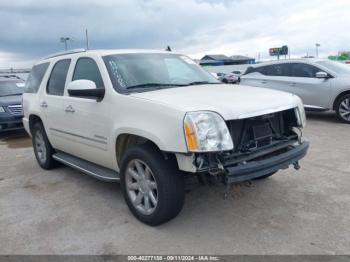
{"points": [[150, 119]]}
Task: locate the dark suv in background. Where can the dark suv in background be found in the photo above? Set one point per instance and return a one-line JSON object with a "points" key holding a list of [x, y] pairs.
{"points": [[11, 90]]}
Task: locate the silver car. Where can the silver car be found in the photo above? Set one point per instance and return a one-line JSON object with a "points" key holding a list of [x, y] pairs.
{"points": [[322, 84]]}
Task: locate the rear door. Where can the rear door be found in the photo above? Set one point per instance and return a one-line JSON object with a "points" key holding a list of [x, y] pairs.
{"points": [[51, 104], [273, 76]]}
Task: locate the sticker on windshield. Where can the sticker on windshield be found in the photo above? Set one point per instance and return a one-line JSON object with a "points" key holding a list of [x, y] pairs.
{"points": [[115, 72], [188, 60]]}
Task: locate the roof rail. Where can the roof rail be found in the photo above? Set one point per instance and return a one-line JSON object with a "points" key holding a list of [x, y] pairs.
{"points": [[73, 51]]}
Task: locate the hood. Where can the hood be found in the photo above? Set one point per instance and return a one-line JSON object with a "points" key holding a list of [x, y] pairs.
{"points": [[230, 101], [10, 100]]}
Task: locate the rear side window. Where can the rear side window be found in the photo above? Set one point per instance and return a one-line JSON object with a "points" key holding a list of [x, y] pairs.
{"points": [[303, 70], [35, 77], [57, 81], [273, 70], [86, 68]]}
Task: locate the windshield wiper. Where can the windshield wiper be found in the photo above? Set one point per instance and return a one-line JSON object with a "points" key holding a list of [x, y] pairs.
{"points": [[151, 85], [201, 83]]}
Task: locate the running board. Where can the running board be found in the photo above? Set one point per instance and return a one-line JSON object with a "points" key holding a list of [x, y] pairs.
{"points": [[91, 169]]}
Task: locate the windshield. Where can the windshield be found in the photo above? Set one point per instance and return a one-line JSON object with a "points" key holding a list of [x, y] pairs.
{"points": [[8, 88], [336, 67], [154, 71]]}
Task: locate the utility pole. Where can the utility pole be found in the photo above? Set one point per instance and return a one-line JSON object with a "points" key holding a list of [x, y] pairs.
{"points": [[87, 39], [289, 52], [317, 46]]}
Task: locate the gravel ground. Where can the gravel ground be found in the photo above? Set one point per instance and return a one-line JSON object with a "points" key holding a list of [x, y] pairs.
{"points": [[65, 212]]}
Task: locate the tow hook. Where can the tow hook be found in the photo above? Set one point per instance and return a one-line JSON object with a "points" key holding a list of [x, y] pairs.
{"points": [[296, 166]]}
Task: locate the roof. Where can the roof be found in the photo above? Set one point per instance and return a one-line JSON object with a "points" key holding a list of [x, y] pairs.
{"points": [[281, 61], [215, 57], [104, 52]]}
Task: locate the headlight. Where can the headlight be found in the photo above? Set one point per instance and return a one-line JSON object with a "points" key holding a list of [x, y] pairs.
{"points": [[2, 110], [206, 131], [301, 117]]}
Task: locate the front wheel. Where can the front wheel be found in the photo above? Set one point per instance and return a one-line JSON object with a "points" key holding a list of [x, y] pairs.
{"points": [[153, 187], [343, 109]]}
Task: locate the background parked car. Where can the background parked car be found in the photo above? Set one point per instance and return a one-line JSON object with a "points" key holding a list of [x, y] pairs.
{"points": [[11, 90], [322, 84], [232, 77]]}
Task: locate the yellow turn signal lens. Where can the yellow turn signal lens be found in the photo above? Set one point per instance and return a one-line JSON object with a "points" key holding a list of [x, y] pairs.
{"points": [[191, 139]]}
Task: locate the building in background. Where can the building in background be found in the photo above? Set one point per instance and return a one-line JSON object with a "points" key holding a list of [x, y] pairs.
{"points": [[241, 60], [220, 60], [221, 64], [215, 60]]}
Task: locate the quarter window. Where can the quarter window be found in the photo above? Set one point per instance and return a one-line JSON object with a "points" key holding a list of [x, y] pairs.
{"points": [[36, 76], [57, 81], [86, 68]]}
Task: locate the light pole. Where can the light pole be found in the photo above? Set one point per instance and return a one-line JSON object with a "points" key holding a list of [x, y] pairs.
{"points": [[317, 46], [64, 40]]}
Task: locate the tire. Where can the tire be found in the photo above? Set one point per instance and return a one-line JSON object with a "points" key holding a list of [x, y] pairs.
{"points": [[342, 108], [265, 176], [42, 148], [225, 81], [168, 191]]}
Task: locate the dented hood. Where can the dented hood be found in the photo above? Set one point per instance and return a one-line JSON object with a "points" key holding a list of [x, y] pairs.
{"points": [[230, 101]]}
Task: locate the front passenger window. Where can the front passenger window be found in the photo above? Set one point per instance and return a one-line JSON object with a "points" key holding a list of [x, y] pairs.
{"points": [[87, 69], [303, 70]]}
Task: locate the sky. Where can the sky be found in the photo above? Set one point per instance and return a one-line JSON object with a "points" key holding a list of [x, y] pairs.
{"points": [[32, 28]]}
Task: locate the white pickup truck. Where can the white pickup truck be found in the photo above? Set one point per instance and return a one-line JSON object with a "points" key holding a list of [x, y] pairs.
{"points": [[149, 119]]}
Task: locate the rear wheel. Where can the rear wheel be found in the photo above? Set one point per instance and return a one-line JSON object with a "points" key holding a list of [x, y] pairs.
{"points": [[42, 148], [153, 187], [343, 109]]}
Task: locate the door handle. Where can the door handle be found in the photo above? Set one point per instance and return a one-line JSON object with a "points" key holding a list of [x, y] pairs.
{"points": [[43, 104], [263, 82], [69, 109], [292, 84]]}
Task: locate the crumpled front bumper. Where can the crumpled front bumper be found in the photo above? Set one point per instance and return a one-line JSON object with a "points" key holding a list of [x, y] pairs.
{"points": [[255, 169]]}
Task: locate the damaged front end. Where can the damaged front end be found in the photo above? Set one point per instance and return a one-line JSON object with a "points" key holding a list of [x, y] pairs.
{"points": [[263, 145]]}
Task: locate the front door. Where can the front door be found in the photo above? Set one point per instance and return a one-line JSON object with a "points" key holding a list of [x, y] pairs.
{"points": [[89, 120], [314, 92]]}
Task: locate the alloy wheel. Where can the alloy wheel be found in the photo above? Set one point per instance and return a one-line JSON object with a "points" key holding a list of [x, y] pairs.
{"points": [[40, 146], [141, 187], [344, 109]]}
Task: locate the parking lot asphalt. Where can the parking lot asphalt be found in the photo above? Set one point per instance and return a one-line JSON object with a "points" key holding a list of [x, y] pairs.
{"points": [[65, 212]]}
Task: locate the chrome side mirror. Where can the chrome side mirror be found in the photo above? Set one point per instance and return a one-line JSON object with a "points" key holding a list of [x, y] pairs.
{"points": [[321, 75]]}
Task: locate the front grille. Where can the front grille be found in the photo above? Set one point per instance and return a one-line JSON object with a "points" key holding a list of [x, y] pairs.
{"points": [[261, 131], [15, 109]]}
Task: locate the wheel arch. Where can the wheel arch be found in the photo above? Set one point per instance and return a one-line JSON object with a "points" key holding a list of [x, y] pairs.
{"points": [[33, 119], [126, 140], [347, 92]]}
